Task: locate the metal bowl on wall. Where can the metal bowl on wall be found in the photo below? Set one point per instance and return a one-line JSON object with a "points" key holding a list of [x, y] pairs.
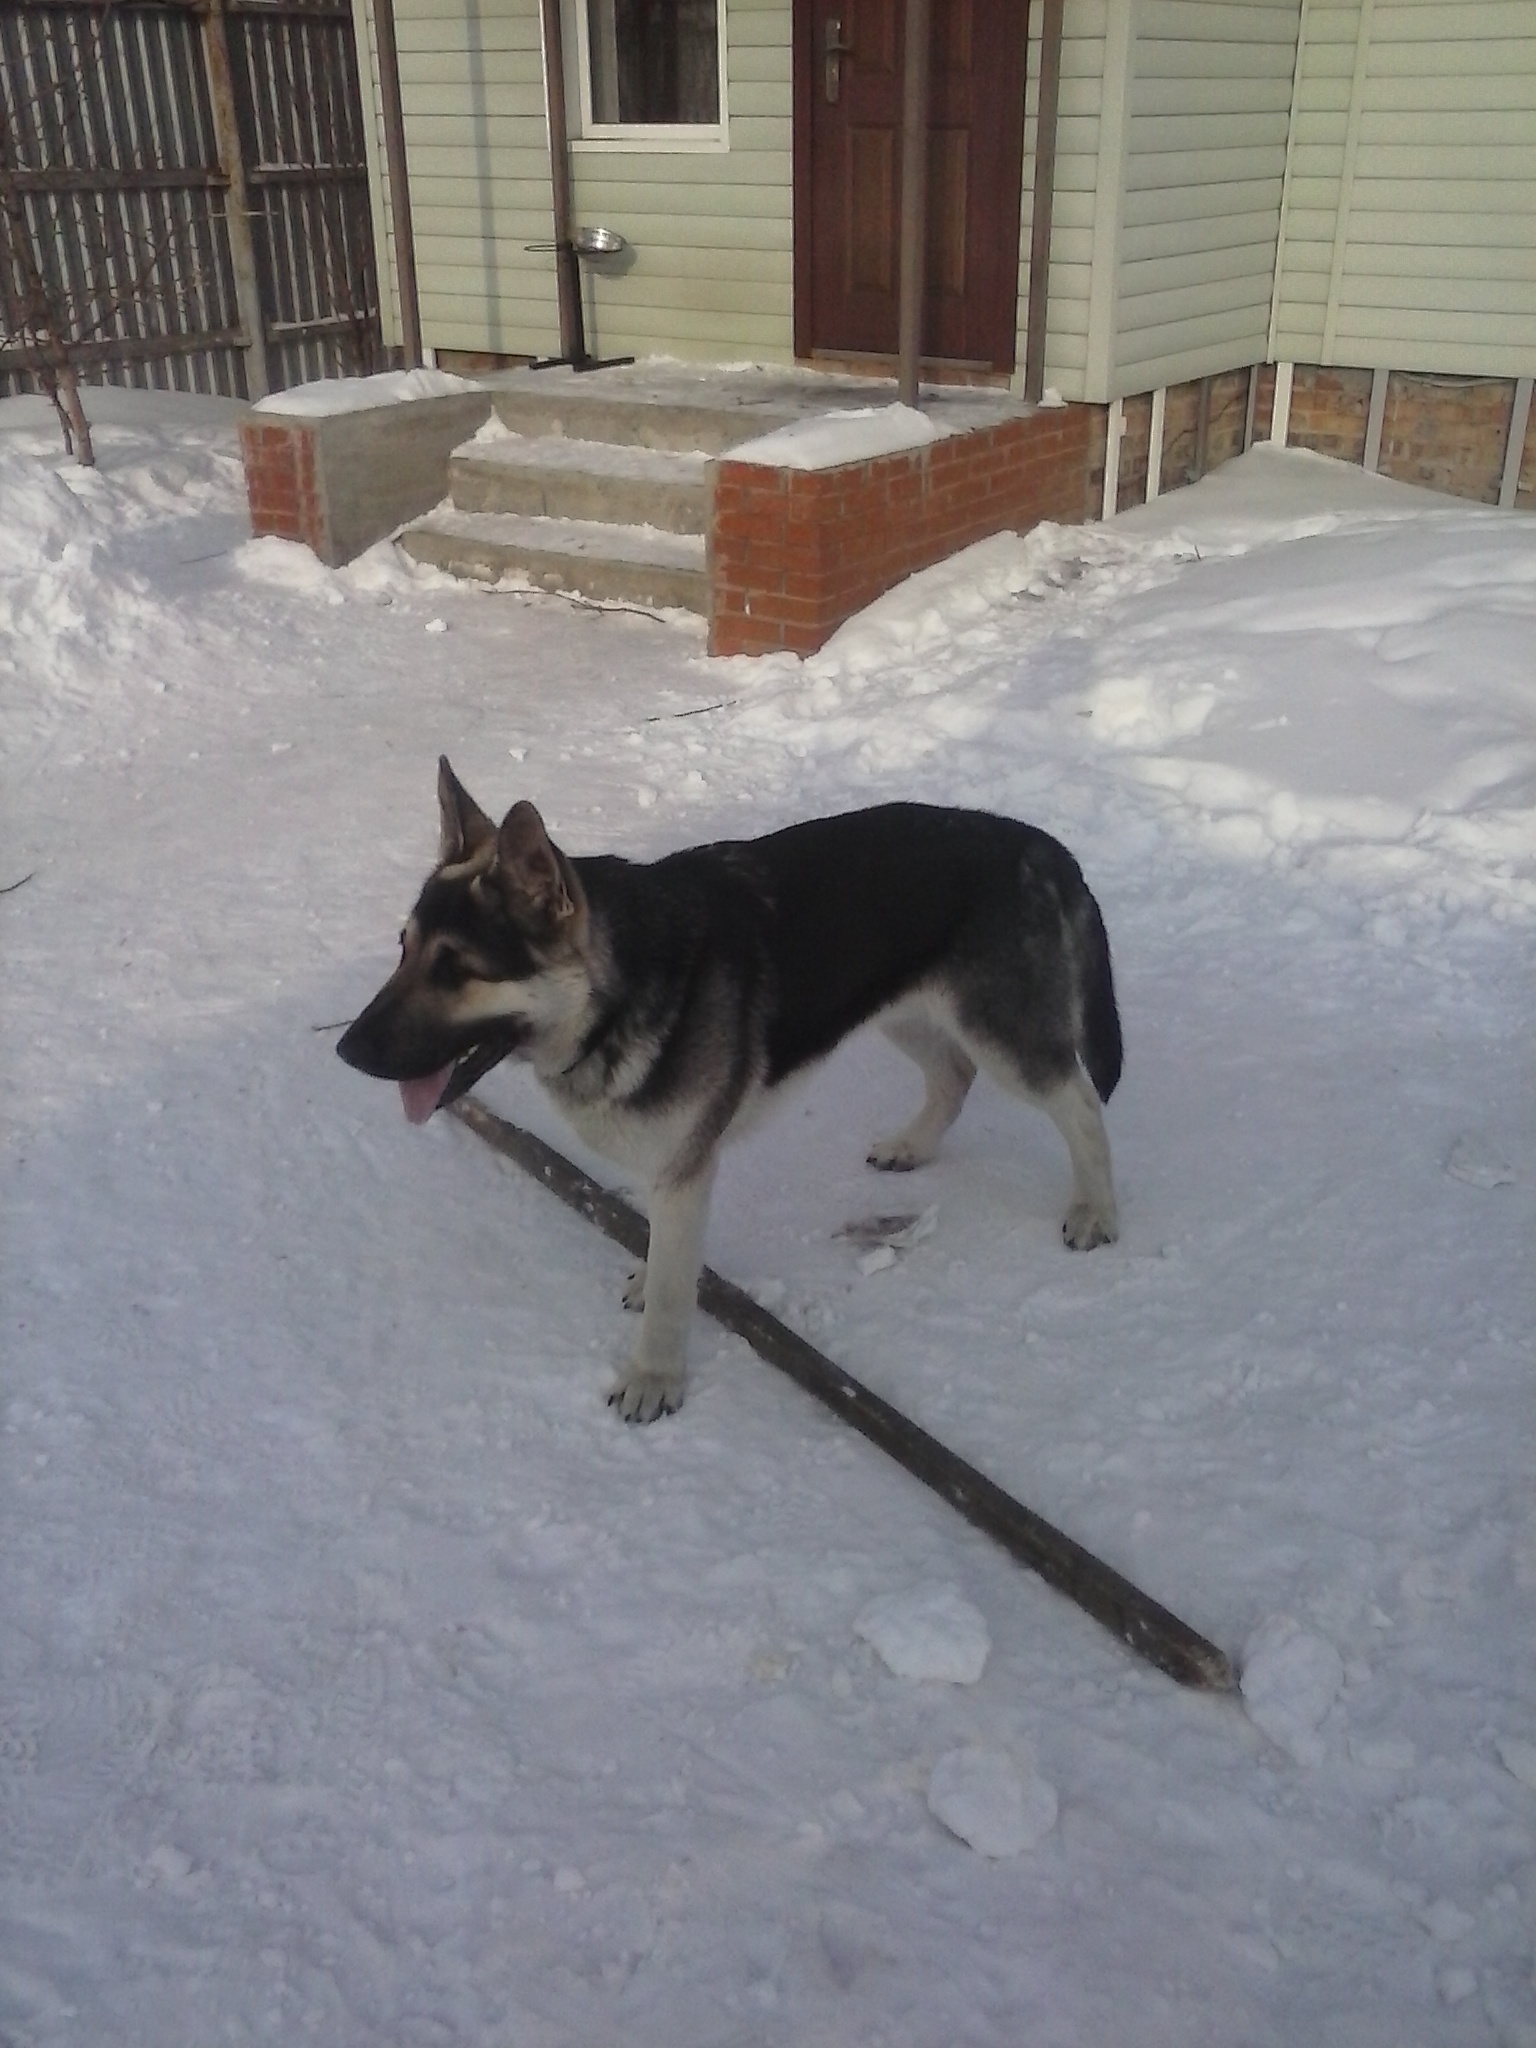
{"points": [[599, 242]]}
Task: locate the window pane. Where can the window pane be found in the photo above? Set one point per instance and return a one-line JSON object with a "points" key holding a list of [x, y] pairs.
{"points": [[654, 62]]}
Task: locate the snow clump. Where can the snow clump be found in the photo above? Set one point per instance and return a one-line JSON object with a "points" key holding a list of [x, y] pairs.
{"points": [[1290, 1679], [982, 1796], [934, 1632]]}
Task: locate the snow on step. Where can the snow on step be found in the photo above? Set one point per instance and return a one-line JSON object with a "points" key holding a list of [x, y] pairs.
{"points": [[634, 564], [606, 458], [591, 538], [550, 476]]}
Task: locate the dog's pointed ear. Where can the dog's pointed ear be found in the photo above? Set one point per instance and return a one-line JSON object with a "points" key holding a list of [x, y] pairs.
{"points": [[465, 827], [538, 886]]}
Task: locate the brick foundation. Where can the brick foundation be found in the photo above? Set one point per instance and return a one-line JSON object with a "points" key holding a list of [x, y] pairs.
{"points": [[281, 481], [1444, 433], [794, 552]]}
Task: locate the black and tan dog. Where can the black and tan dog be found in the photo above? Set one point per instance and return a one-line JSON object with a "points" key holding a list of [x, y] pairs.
{"points": [[663, 1005]]}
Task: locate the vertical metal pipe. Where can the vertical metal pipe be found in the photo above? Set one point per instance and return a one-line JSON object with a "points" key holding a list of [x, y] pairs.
{"points": [[573, 340], [237, 202], [393, 111], [914, 201], [1048, 99]]}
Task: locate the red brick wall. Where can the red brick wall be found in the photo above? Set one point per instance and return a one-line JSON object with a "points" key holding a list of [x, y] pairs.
{"points": [[1330, 411], [1447, 432], [281, 484], [794, 552]]}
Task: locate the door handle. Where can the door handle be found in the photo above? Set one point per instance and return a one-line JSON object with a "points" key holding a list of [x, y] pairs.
{"points": [[836, 50]]}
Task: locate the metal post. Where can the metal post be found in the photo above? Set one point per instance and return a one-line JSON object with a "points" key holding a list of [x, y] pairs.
{"points": [[1043, 202], [914, 201], [573, 340], [393, 111], [237, 201]]}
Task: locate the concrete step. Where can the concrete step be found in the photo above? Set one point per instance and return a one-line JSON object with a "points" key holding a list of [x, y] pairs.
{"points": [[559, 478], [578, 409], [628, 564]]}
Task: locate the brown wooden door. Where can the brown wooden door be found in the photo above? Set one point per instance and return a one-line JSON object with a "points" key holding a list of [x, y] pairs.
{"points": [[849, 57]]}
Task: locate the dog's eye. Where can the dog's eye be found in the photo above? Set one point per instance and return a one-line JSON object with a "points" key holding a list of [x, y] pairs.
{"points": [[447, 971]]}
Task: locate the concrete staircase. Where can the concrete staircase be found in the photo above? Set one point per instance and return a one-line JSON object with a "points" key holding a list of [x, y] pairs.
{"points": [[601, 484]]}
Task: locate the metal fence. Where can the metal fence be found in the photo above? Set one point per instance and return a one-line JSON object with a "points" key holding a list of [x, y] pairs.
{"points": [[184, 194]]}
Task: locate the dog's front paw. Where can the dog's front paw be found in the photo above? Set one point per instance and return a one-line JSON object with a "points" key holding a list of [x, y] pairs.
{"points": [[897, 1155], [634, 1288], [1086, 1226], [644, 1394]]}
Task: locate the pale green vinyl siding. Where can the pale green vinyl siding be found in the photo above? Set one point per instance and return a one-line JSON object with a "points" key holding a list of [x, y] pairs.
{"points": [[712, 275], [709, 272], [1079, 120], [1169, 177], [1409, 239], [1208, 105]]}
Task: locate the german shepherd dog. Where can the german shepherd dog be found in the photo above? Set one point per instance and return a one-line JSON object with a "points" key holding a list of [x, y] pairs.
{"points": [[662, 1006]]}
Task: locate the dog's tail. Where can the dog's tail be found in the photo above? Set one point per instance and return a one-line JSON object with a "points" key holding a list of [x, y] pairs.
{"points": [[1101, 1050]]}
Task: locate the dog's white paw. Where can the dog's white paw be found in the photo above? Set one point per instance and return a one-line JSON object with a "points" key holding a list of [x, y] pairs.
{"points": [[634, 1289], [898, 1155], [1086, 1227], [644, 1394]]}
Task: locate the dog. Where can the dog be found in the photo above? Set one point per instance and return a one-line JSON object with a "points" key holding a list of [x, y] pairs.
{"points": [[663, 1006]]}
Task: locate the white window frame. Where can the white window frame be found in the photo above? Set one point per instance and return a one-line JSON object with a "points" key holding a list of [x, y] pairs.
{"points": [[598, 138]]}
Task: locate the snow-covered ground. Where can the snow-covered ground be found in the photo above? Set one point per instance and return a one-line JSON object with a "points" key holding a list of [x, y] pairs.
{"points": [[364, 1681]]}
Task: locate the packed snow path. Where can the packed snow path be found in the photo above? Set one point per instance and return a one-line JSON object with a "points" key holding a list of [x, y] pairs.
{"points": [[363, 1681]]}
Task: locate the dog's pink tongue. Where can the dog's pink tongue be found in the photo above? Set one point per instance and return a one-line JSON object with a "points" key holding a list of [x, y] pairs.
{"points": [[422, 1097]]}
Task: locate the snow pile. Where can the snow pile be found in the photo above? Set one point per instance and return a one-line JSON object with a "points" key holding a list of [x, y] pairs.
{"points": [[931, 1633], [84, 631], [331, 395], [995, 1809], [1366, 717], [858, 434]]}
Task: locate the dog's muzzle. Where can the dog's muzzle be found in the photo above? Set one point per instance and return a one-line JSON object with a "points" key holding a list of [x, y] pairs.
{"points": [[424, 1089]]}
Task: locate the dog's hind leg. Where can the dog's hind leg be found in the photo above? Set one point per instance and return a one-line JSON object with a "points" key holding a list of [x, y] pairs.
{"points": [[653, 1385], [948, 1072], [1053, 1080], [1092, 1217]]}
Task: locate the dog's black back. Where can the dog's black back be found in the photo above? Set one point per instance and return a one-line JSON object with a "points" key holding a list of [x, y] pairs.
{"points": [[819, 927]]}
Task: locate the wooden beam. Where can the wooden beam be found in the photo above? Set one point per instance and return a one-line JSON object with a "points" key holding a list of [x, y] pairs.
{"points": [[1148, 1629], [1514, 446], [1202, 428], [1375, 420], [237, 203], [1155, 442]]}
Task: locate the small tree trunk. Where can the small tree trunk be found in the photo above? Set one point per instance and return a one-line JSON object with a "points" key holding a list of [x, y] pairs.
{"points": [[29, 312], [65, 393]]}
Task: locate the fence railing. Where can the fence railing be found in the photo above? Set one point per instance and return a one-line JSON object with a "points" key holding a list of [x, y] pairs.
{"points": [[184, 183]]}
